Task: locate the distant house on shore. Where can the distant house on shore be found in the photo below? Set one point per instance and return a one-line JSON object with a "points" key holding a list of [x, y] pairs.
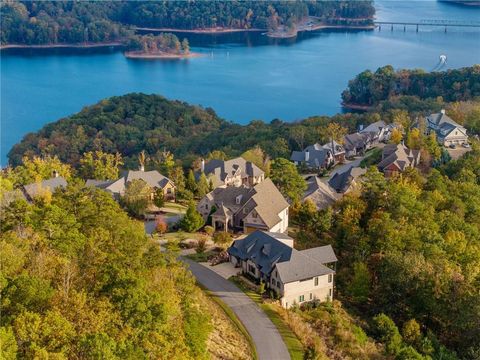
{"points": [[396, 158], [314, 157], [319, 193], [448, 132], [296, 276], [246, 209], [152, 178], [234, 172], [346, 180]]}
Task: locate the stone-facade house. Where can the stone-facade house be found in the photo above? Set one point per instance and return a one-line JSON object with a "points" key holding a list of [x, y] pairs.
{"points": [[246, 209], [448, 132], [337, 150], [234, 172], [296, 276], [396, 158]]}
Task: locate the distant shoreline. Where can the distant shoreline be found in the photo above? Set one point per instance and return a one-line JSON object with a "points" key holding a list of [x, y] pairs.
{"points": [[357, 107], [162, 55], [217, 30], [53, 46]]}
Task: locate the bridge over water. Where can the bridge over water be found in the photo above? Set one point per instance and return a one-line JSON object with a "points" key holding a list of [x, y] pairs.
{"points": [[439, 23]]}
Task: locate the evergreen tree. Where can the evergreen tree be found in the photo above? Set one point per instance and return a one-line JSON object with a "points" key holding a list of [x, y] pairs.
{"points": [[192, 221]]}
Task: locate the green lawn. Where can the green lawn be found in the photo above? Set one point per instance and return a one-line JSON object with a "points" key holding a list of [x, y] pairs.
{"points": [[201, 257], [175, 207], [294, 346]]}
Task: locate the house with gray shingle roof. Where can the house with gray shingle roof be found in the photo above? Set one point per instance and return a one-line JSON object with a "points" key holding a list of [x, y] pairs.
{"points": [[346, 180], [319, 193], [378, 131], [234, 172], [356, 144], [447, 130], [30, 191], [313, 157], [396, 158], [246, 209], [152, 178], [296, 276]]}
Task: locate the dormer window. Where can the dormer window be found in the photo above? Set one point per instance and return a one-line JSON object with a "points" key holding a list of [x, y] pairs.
{"points": [[238, 199]]}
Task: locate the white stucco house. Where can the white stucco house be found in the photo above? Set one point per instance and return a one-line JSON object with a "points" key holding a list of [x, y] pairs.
{"points": [[295, 276], [246, 209]]}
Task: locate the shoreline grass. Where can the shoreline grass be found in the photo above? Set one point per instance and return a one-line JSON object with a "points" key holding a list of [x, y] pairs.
{"points": [[233, 317]]}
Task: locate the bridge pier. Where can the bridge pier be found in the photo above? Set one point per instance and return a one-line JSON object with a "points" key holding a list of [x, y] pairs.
{"points": [[417, 27], [391, 28], [445, 29], [404, 28]]}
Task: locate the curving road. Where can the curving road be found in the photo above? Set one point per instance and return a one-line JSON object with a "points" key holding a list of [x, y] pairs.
{"points": [[267, 339]]}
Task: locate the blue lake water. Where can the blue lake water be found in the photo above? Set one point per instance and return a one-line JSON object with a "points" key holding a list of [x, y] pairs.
{"points": [[243, 76]]}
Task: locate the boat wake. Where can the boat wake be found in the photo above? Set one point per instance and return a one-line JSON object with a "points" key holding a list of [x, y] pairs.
{"points": [[441, 63]]}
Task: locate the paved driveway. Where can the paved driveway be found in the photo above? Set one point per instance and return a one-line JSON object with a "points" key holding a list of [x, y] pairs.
{"points": [[268, 342]]}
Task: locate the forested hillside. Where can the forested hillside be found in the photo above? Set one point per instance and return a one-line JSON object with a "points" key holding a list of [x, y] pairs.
{"points": [[409, 247], [131, 123], [52, 22], [80, 280], [369, 88]]}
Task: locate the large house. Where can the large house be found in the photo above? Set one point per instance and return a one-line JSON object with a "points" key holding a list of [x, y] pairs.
{"points": [[262, 207], [234, 172], [447, 130], [356, 144], [396, 158], [346, 180], [378, 131], [337, 150], [313, 157], [296, 276], [153, 178], [319, 193], [31, 191]]}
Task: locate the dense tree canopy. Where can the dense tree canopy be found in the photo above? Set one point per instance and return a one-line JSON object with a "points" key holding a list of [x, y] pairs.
{"points": [[131, 123], [51, 22], [419, 237], [369, 88], [80, 280]]}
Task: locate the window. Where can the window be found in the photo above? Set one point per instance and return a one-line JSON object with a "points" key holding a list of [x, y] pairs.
{"points": [[316, 281], [311, 296], [330, 293], [278, 284], [301, 298], [330, 278], [251, 269], [169, 190], [206, 206], [254, 214], [273, 282]]}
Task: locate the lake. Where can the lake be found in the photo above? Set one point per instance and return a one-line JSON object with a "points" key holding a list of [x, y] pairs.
{"points": [[243, 76]]}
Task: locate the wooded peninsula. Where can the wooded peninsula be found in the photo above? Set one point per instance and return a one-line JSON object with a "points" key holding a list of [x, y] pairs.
{"points": [[68, 22]]}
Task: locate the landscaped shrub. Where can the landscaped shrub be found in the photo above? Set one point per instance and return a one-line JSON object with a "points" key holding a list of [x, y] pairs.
{"points": [[161, 226]]}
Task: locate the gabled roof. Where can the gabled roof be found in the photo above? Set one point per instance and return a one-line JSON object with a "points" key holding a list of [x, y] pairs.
{"points": [[32, 190], [220, 169], [316, 155], [356, 140], [338, 147], [153, 178], [398, 155], [319, 193], [440, 118], [267, 250], [341, 181], [375, 127], [268, 202]]}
